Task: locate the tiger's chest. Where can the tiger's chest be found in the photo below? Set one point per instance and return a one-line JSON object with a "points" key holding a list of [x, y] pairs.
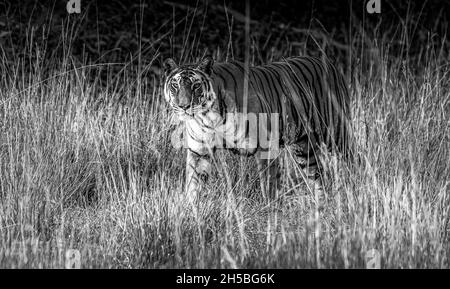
{"points": [[208, 131]]}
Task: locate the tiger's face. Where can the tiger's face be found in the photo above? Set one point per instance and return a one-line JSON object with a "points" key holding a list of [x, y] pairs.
{"points": [[188, 88]]}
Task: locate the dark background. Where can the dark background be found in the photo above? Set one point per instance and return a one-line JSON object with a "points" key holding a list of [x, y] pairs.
{"points": [[118, 30]]}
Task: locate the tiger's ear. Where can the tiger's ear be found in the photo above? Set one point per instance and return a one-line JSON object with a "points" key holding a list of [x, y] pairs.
{"points": [[169, 66], [206, 64]]}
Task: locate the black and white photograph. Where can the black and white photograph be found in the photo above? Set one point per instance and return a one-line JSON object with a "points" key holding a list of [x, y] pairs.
{"points": [[224, 134]]}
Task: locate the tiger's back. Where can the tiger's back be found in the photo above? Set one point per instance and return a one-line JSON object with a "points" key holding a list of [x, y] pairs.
{"points": [[310, 97]]}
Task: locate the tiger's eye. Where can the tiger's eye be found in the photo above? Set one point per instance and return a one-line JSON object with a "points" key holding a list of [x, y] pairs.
{"points": [[196, 86]]}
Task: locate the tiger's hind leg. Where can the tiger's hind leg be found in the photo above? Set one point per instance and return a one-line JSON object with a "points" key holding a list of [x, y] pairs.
{"points": [[307, 167], [269, 176]]}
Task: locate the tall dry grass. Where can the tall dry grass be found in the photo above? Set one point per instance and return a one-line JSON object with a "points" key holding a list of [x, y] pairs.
{"points": [[86, 163]]}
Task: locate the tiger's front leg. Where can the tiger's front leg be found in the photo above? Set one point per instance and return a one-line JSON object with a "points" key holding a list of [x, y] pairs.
{"points": [[198, 170]]}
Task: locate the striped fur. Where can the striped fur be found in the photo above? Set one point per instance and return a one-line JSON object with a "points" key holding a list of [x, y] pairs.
{"points": [[308, 96]]}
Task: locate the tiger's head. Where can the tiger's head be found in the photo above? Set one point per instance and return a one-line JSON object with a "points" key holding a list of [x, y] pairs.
{"points": [[188, 88]]}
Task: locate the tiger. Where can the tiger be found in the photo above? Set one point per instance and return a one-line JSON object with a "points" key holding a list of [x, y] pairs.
{"points": [[305, 98]]}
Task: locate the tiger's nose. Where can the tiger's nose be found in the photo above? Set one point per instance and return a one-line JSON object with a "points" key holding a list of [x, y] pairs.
{"points": [[184, 102]]}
